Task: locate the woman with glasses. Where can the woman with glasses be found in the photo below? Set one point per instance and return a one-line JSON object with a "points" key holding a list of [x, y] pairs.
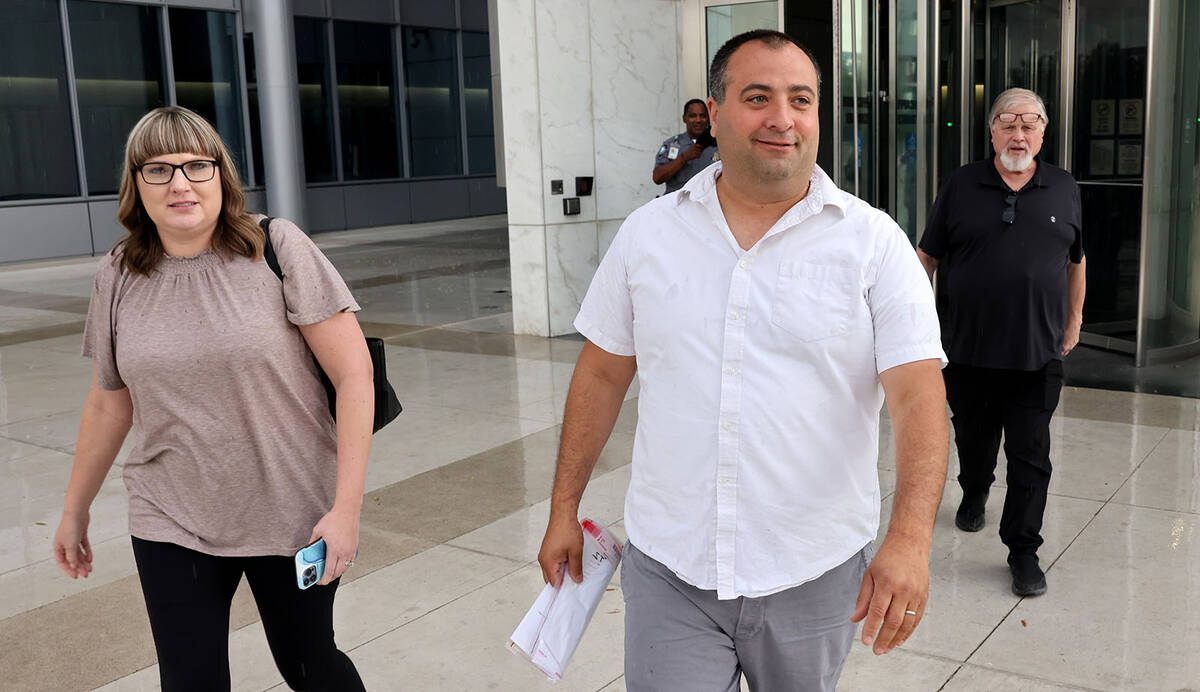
{"points": [[236, 462]]}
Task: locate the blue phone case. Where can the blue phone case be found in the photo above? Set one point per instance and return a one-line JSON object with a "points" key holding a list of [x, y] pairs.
{"points": [[310, 564]]}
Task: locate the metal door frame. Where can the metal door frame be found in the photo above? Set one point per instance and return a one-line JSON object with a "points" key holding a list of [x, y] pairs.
{"points": [[705, 4]]}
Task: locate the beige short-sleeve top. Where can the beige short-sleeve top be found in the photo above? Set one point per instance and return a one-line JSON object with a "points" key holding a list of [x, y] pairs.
{"points": [[234, 452]]}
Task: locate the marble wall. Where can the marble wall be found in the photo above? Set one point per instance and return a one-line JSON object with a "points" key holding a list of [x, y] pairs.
{"points": [[590, 88]]}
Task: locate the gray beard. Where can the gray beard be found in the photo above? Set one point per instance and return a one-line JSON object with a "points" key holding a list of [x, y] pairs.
{"points": [[1016, 164]]}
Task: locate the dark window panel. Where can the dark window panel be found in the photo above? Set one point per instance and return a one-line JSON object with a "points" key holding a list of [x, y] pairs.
{"points": [[118, 77], [431, 80], [316, 105], [366, 100], [204, 55], [256, 150], [35, 116], [477, 75]]}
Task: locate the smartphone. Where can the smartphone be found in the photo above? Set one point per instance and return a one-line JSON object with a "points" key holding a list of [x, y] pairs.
{"points": [[310, 564]]}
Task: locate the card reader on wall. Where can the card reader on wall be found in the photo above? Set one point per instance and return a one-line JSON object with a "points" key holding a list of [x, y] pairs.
{"points": [[570, 206]]}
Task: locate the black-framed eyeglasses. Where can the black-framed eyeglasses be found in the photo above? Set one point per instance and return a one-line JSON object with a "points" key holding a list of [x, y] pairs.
{"points": [[1010, 212], [1009, 118], [161, 173]]}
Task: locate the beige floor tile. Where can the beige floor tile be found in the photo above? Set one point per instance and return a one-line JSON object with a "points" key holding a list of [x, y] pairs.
{"points": [[391, 597], [12, 450], [37, 584], [971, 678], [970, 585], [455, 648], [1120, 612], [27, 531], [57, 430], [1092, 459], [901, 669], [38, 478], [1169, 478], [78, 643], [145, 680], [519, 535]]}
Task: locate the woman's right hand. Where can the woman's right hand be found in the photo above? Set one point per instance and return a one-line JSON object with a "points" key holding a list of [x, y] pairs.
{"points": [[72, 551]]}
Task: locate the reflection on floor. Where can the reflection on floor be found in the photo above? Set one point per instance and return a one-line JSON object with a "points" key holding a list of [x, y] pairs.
{"points": [[458, 500]]}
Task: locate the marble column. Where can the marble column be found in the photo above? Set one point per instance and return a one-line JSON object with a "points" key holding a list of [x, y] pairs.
{"points": [[590, 88]]}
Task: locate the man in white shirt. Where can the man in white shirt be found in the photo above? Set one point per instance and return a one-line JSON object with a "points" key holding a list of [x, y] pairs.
{"points": [[766, 314]]}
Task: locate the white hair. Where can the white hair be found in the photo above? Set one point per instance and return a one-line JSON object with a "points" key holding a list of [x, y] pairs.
{"points": [[1011, 97]]}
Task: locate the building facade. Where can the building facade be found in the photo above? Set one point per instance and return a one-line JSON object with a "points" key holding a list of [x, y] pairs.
{"points": [[906, 87], [394, 101], [551, 110]]}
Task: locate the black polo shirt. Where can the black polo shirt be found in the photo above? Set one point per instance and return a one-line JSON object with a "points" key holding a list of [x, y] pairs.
{"points": [[1004, 286]]}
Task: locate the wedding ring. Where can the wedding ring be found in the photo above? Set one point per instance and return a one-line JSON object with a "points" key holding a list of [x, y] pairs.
{"points": [[910, 612], [350, 563]]}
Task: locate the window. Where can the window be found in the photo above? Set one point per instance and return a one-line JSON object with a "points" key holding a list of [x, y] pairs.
{"points": [[366, 100], [204, 55], [118, 77], [256, 150], [477, 78], [35, 118], [431, 80], [316, 108]]}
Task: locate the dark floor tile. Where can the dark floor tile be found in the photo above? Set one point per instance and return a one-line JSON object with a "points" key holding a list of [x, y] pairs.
{"points": [[78, 643], [447, 502], [1180, 413], [38, 333]]}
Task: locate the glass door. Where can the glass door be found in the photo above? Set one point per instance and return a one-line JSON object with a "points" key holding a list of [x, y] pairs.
{"points": [[1110, 92], [859, 101], [723, 20], [1024, 49], [1169, 304]]}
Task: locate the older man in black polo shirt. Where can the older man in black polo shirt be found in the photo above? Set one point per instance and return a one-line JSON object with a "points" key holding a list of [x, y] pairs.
{"points": [[1006, 235]]}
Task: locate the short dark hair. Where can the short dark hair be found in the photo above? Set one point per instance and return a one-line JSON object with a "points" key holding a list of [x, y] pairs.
{"points": [[773, 39], [689, 105]]}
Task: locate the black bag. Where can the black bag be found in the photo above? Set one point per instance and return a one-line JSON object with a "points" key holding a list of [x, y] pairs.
{"points": [[387, 406]]}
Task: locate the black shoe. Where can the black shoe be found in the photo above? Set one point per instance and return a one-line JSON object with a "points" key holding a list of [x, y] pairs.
{"points": [[970, 512], [1027, 578]]}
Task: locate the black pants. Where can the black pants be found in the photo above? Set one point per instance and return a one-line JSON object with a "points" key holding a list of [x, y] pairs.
{"points": [[1019, 403], [188, 596]]}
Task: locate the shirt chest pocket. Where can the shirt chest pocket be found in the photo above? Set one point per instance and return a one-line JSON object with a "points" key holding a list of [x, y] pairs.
{"points": [[815, 301]]}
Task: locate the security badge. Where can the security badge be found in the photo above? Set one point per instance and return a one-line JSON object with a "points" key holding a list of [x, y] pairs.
{"points": [[673, 153]]}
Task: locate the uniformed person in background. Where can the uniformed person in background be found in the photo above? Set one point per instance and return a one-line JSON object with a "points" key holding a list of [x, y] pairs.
{"points": [[687, 153]]}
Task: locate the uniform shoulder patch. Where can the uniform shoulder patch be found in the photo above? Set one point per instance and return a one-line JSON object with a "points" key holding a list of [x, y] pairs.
{"points": [[662, 150]]}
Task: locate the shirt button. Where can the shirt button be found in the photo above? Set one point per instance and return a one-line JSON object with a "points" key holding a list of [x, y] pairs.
{"points": [[743, 264], [730, 371], [733, 315], [728, 425], [724, 481]]}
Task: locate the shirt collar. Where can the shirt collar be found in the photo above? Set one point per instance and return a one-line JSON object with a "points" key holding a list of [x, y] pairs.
{"points": [[822, 192]]}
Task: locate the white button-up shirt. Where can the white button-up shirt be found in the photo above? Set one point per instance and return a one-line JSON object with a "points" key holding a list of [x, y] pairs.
{"points": [[754, 461]]}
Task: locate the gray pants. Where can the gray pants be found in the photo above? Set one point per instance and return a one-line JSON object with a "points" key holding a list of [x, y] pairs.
{"points": [[678, 637]]}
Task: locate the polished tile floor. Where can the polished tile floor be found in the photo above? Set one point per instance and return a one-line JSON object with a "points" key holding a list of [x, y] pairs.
{"points": [[457, 500]]}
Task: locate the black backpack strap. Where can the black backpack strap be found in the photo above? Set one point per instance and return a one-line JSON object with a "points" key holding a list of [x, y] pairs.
{"points": [[268, 248]]}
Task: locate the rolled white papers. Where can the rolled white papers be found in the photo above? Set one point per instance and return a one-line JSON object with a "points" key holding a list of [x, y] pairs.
{"points": [[552, 628]]}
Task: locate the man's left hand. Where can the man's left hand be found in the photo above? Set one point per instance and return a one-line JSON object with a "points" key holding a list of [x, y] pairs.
{"points": [[1071, 335], [895, 586]]}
